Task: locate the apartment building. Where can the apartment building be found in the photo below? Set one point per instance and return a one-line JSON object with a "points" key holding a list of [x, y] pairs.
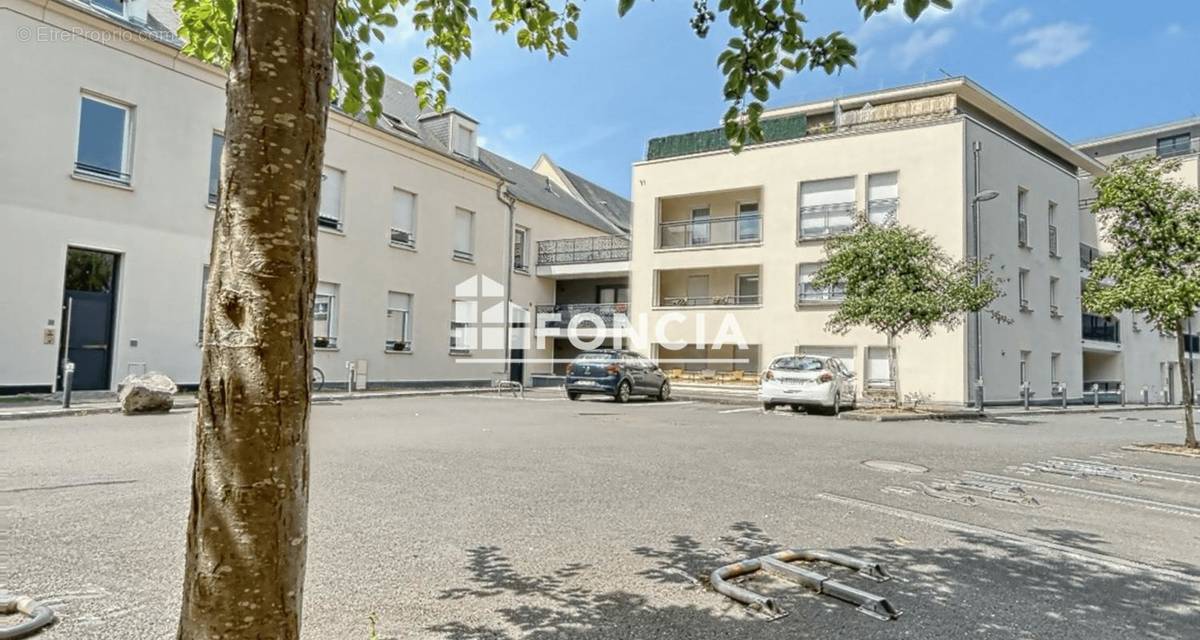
{"points": [[107, 192], [1127, 348], [718, 235]]}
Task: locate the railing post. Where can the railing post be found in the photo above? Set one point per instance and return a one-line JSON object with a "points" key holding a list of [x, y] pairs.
{"points": [[1062, 391], [1095, 395], [1025, 394], [350, 376], [1121, 389], [1145, 396], [68, 381]]}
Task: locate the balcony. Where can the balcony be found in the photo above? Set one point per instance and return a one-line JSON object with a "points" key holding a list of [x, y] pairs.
{"points": [[719, 287], [730, 230], [607, 312], [595, 256], [1101, 331], [1087, 255]]}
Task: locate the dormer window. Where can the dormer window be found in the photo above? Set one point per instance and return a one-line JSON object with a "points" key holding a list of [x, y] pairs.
{"points": [[463, 138], [133, 10], [115, 7]]}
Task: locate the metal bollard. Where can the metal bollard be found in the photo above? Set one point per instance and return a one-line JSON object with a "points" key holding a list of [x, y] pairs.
{"points": [[1095, 395], [979, 394], [350, 376], [1121, 389], [1165, 397], [1062, 390], [68, 381], [1145, 396], [1025, 395]]}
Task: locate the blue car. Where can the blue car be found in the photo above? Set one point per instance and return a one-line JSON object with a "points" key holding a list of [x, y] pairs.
{"points": [[620, 374]]}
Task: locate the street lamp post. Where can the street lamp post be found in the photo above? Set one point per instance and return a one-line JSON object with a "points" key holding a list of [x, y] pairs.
{"points": [[980, 196]]}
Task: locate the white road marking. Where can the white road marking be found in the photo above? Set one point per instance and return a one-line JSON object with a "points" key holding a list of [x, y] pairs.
{"points": [[1158, 474], [1115, 562], [1168, 507], [742, 410]]}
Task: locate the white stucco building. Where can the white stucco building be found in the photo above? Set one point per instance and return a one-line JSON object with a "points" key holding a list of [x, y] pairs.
{"points": [[108, 175]]}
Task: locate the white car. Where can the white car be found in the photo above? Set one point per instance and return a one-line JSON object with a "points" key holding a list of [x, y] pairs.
{"points": [[805, 381]]}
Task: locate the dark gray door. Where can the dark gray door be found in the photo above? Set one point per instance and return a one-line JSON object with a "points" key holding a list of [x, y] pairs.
{"points": [[516, 364], [89, 292]]}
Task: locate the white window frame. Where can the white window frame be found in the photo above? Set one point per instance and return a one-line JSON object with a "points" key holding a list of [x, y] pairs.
{"points": [[404, 340], [737, 287], [833, 294], [122, 13], [888, 214], [1054, 311], [332, 292], [467, 254], [1023, 367], [126, 172], [457, 124], [700, 218], [214, 194], [459, 338], [411, 243], [1052, 229], [1055, 363], [324, 221], [1023, 289], [521, 239], [841, 208], [748, 219]]}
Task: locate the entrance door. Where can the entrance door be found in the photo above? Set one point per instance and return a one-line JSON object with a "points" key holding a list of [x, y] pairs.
{"points": [[89, 296], [516, 364]]}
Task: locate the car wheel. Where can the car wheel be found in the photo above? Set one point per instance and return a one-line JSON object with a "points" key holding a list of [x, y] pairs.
{"points": [[623, 392], [796, 408], [572, 395], [768, 406], [837, 405], [664, 392]]}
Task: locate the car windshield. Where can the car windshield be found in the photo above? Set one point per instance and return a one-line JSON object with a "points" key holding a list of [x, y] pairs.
{"points": [[596, 356], [798, 363]]}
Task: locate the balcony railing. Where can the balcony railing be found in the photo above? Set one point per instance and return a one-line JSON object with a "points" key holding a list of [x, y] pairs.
{"points": [[605, 311], [1180, 146], [1087, 255], [710, 301], [882, 210], [583, 250], [1085, 204], [1022, 230], [1101, 329], [708, 232], [826, 220]]}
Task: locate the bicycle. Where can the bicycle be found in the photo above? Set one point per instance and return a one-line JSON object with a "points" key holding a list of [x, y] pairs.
{"points": [[318, 379]]}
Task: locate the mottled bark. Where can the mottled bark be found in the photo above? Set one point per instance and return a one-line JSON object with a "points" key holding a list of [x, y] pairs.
{"points": [[1188, 385], [246, 537]]}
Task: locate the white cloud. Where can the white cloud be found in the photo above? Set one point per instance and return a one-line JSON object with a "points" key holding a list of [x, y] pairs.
{"points": [[919, 45], [1052, 45], [1174, 29], [513, 132], [1016, 18]]}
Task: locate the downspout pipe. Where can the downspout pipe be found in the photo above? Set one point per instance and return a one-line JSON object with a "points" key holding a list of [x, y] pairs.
{"points": [[510, 202]]}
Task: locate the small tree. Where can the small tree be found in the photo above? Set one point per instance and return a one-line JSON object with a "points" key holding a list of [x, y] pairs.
{"points": [[897, 281], [1153, 224]]}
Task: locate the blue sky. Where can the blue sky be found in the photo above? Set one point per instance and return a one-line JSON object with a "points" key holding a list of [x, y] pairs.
{"points": [[1083, 68]]}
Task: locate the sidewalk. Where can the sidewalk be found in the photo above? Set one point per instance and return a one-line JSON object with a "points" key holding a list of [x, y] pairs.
{"points": [[39, 408]]}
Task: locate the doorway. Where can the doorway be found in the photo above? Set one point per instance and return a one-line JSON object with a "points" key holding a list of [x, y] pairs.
{"points": [[88, 317]]}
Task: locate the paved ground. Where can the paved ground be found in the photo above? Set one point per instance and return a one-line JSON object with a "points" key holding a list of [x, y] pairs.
{"points": [[479, 517]]}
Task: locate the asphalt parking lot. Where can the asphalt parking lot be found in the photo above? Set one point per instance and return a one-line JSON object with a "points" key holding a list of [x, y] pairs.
{"points": [[485, 517]]}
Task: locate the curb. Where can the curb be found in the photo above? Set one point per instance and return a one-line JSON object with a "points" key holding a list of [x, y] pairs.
{"points": [[330, 398], [914, 417]]}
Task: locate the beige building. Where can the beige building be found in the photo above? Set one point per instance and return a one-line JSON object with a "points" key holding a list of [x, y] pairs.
{"points": [[106, 192], [718, 235], [1127, 348]]}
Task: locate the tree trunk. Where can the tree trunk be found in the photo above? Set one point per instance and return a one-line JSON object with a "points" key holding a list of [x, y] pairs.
{"points": [[246, 536], [1188, 385], [894, 369]]}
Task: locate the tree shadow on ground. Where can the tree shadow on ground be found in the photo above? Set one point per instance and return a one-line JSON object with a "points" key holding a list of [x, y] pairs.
{"points": [[972, 585]]}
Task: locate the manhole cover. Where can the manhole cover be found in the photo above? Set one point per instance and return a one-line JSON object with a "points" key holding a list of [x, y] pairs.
{"points": [[892, 466]]}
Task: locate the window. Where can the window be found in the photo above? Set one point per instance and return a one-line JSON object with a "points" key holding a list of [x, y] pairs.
{"points": [[214, 167], [826, 207], [1022, 199], [399, 322], [1023, 289], [105, 136], [697, 290], [462, 314], [699, 229], [843, 355], [748, 222], [330, 214], [806, 292], [612, 294], [1054, 298], [521, 249], [404, 218], [1051, 216], [1024, 367], [464, 140], [1022, 218], [1174, 145], [325, 311], [746, 289], [883, 197], [115, 7], [464, 234], [1055, 358]]}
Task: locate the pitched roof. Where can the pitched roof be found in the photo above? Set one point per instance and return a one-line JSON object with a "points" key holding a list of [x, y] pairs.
{"points": [[617, 209], [535, 189]]}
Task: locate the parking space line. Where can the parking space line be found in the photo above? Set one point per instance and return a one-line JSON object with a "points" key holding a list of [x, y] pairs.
{"points": [[742, 410], [1114, 562], [1168, 507], [1145, 472]]}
